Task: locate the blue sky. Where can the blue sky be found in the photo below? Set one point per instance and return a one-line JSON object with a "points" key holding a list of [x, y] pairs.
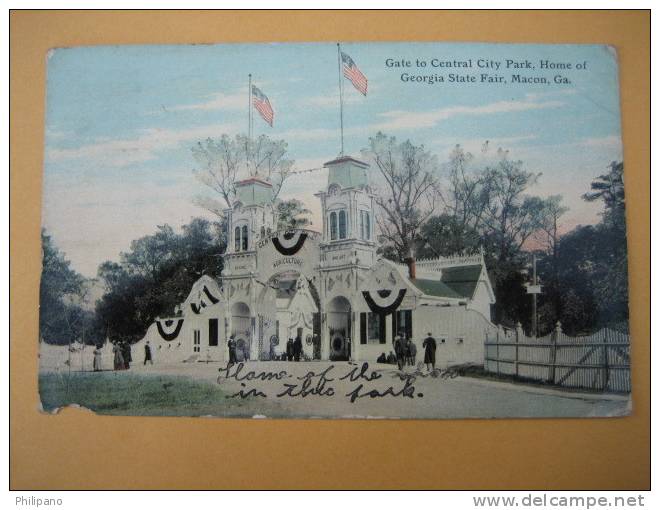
{"points": [[121, 120]]}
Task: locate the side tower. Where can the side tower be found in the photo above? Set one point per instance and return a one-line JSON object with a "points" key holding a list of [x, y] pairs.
{"points": [[347, 252], [249, 221]]}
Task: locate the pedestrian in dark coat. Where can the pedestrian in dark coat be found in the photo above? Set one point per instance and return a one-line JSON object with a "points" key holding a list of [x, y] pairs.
{"points": [[289, 349], [126, 352], [429, 345], [297, 348], [147, 353], [231, 344]]}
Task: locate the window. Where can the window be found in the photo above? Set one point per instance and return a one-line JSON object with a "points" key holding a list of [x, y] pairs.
{"points": [[333, 226], [365, 225], [196, 340], [342, 224], [263, 232], [375, 328], [213, 332], [237, 239], [244, 239]]}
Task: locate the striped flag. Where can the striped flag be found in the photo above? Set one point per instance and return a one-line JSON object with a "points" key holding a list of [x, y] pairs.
{"points": [[262, 105], [352, 72]]}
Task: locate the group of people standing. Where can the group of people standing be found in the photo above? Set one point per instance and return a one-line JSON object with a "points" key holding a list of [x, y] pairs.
{"points": [[234, 348], [405, 352], [122, 356], [294, 349], [121, 351]]}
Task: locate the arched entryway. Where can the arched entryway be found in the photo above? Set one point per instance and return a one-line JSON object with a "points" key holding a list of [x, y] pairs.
{"points": [[339, 328], [241, 328]]}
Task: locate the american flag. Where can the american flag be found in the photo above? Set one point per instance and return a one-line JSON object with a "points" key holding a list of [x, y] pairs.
{"points": [[262, 104], [352, 72]]}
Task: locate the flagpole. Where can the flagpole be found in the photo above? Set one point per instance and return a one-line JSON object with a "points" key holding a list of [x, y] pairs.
{"points": [[249, 142], [249, 106], [341, 100]]}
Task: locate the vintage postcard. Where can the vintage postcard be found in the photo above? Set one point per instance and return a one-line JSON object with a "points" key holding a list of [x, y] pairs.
{"points": [[352, 230]]}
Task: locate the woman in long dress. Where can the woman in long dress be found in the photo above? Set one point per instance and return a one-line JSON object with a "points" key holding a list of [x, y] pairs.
{"points": [[97, 359], [119, 359]]}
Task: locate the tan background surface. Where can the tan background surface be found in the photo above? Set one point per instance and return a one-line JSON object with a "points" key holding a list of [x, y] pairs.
{"points": [[77, 449]]}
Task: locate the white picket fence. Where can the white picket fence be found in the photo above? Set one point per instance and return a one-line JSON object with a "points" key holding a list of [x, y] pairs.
{"points": [[600, 361]]}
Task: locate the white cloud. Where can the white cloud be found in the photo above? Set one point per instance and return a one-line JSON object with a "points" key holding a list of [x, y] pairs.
{"points": [[143, 147], [477, 145], [400, 119], [610, 142], [218, 101]]}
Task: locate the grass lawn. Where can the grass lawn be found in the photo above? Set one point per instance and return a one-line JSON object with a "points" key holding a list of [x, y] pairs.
{"points": [[138, 395]]}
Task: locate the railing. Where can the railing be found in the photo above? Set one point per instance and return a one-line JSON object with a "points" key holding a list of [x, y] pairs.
{"points": [[600, 361]]}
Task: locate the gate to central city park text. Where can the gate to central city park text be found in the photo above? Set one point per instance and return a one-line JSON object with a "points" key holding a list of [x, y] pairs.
{"points": [[600, 361]]}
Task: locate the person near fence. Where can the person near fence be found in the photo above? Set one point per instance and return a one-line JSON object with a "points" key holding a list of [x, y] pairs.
{"points": [[97, 359], [297, 348], [430, 346]]}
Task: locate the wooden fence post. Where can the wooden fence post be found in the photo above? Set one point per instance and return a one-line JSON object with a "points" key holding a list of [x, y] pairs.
{"points": [[497, 349], [605, 373], [519, 333], [553, 352]]}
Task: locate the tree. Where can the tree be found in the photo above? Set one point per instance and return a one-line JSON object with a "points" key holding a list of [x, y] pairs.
{"points": [[156, 274], [585, 273], [609, 188], [224, 161], [407, 197], [511, 215], [444, 235], [292, 214], [548, 239], [62, 292], [469, 191]]}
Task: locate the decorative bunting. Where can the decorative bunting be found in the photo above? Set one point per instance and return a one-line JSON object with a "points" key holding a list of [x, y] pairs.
{"points": [[172, 335], [383, 310], [292, 250]]}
